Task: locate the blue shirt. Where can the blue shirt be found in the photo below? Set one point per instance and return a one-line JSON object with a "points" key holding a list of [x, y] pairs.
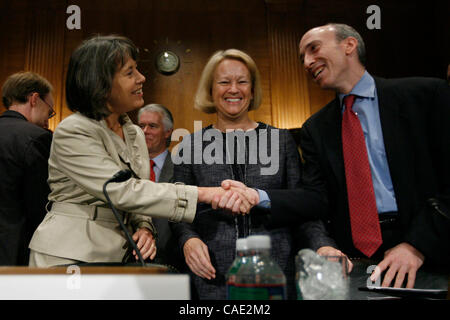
{"points": [[367, 109]]}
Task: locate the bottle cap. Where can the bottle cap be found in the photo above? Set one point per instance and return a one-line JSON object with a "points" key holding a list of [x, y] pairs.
{"points": [[241, 244], [259, 242]]}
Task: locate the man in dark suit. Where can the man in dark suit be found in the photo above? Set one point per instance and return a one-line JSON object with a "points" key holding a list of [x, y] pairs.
{"points": [[406, 130], [24, 151], [400, 215], [157, 123]]}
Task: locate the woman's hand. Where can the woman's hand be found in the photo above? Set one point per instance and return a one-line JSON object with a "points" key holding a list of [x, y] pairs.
{"points": [[234, 200], [146, 243], [233, 196], [249, 194], [197, 258], [330, 251]]}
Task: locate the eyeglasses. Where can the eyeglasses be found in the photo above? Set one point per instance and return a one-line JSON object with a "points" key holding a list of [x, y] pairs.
{"points": [[51, 112]]}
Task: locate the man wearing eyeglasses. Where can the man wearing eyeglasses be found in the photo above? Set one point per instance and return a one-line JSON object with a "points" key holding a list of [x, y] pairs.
{"points": [[24, 152]]}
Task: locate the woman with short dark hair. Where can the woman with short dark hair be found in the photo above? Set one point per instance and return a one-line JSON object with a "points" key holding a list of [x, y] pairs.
{"points": [[89, 147], [91, 72]]}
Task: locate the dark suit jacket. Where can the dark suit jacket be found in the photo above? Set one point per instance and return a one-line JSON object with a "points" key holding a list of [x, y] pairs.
{"points": [[24, 152], [415, 120], [167, 246], [167, 170]]}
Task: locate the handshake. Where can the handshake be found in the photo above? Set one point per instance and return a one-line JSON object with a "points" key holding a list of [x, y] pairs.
{"points": [[232, 195]]}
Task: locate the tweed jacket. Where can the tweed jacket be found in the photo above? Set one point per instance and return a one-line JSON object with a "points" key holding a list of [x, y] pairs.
{"points": [[84, 154], [218, 229]]}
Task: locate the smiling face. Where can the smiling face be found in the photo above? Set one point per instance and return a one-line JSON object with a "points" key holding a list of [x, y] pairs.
{"points": [[324, 58], [126, 92], [232, 89], [155, 134]]}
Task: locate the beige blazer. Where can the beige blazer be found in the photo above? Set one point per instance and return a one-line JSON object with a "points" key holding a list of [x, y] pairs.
{"points": [[84, 154]]}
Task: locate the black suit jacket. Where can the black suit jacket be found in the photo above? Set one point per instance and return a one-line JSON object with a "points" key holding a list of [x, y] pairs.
{"points": [[415, 120], [167, 246], [24, 152]]}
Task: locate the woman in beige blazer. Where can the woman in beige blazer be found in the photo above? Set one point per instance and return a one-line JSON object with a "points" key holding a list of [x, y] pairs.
{"points": [[93, 144]]}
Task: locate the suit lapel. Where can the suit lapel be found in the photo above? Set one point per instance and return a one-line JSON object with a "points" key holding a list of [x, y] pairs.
{"points": [[332, 140], [390, 123], [395, 124], [167, 170]]}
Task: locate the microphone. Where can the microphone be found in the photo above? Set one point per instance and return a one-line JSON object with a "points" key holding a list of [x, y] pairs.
{"points": [[121, 176]]}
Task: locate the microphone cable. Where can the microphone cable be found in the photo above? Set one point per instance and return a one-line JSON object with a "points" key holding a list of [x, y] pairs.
{"points": [[121, 176]]}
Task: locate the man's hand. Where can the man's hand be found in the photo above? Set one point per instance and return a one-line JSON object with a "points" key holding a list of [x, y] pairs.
{"points": [[235, 200], [235, 189], [330, 251], [197, 258], [401, 260], [145, 243]]}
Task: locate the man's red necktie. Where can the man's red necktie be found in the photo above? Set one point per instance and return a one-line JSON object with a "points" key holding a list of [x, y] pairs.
{"points": [[152, 171], [365, 225]]}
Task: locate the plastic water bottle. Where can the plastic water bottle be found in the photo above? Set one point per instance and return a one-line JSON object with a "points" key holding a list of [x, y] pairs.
{"points": [[241, 258], [261, 278]]}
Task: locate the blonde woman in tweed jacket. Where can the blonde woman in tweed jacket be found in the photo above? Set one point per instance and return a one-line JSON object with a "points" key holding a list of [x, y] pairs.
{"points": [[230, 87]]}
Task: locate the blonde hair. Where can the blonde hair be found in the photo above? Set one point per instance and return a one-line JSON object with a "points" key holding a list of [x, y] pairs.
{"points": [[203, 96]]}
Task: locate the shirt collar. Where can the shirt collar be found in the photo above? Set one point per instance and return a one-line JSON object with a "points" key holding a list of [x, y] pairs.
{"points": [[160, 159], [365, 88], [13, 114]]}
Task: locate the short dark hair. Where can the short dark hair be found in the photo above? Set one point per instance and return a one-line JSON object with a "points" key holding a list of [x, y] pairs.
{"points": [[20, 85], [91, 71], [343, 31]]}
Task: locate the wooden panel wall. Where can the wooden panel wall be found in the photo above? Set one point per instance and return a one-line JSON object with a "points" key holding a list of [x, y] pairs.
{"points": [[290, 104], [13, 38], [45, 49], [194, 30], [414, 40]]}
